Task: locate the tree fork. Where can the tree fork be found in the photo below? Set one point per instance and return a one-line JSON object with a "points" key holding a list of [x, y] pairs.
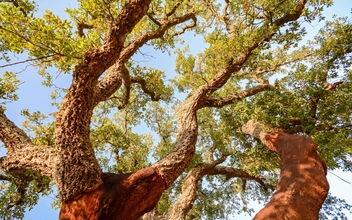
{"points": [[302, 187]]}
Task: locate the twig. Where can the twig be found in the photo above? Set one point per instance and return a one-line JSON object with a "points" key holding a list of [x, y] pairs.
{"points": [[28, 60]]}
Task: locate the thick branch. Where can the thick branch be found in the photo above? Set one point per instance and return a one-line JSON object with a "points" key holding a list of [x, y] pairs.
{"points": [[257, 129], [222, 77], [110, 83], [181, 154], [292, 16], [303, 175], [140, 41], [12, 137], [182, 206], [96, 61], [112, 80], [22, 154], [78, 169]]}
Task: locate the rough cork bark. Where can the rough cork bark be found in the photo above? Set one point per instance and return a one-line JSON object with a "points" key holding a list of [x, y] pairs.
{"points": [[302, 187]]}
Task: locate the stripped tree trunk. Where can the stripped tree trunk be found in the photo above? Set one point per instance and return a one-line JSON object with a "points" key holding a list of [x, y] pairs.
{"points": [[302, 187]]}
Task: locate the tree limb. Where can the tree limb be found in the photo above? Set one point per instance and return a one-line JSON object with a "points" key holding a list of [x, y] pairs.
{"points": [[143, 84], [168, 14], [81, 26], [261, 71], [22, 154], [303, 174], [112, 80], [140, 41], [236, 64], [78, 170], [28, 60], [181, 207], [172, 165], [223, 101]]}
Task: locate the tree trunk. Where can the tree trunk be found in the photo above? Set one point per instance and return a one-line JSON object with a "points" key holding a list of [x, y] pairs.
{"points": [[302, 187], [120, 196]]}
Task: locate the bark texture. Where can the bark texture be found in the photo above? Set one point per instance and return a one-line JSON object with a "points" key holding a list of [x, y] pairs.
{"points": [[77, 167], [22, 153], [119, 197], [302, 187], [180, 208]]}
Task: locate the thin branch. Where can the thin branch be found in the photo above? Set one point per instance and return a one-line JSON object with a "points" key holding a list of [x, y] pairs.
{"points": [[189, 26], [81, 26], [230, 172], [332, 86], [107, 5], [15, 3], [211, 154], [130, 50], [21, 189], [225, 15], [29, 41], [143, 84], [150, 16], [223, 101], [173, 10], [4, 178], [340, 178], [260, 71], [211, 8], [25, 61]]}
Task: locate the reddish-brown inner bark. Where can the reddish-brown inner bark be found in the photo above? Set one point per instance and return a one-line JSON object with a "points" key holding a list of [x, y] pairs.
{"points": [[302, 187], [120, 196]]}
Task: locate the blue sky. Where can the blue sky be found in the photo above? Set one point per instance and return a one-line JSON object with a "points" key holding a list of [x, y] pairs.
{"points": [[34, 97]]}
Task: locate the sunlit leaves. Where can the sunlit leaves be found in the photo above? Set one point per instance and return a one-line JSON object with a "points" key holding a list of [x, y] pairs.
{"points": [[8, 86], [47, 40], [39, 128], [17, 196]]}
